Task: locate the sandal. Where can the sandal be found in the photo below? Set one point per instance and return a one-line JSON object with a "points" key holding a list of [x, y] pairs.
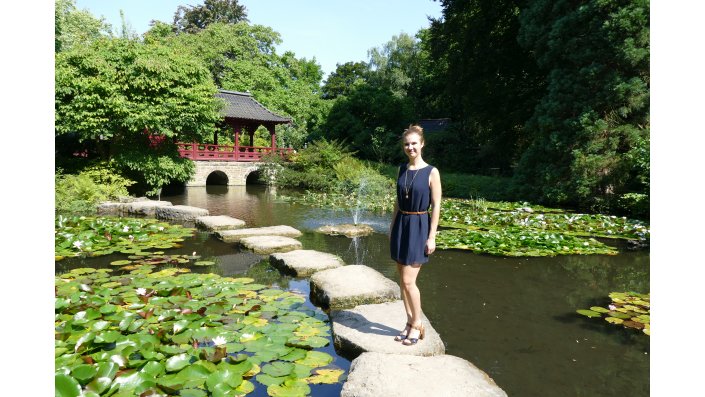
{"points": [[413, 341], [403, 333]]}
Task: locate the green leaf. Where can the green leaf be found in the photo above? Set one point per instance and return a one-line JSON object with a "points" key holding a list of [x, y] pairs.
{"points": [[290, 388], [66, 386], [84, 373], [278, 369], [223, 376], [589, 313], [99, 385], [177, 362]]}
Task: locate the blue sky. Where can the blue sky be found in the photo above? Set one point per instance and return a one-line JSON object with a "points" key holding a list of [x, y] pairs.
{"points": [[332, 31]]}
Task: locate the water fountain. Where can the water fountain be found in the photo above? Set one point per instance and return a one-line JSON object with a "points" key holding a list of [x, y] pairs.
{"points": [[355, 229]]}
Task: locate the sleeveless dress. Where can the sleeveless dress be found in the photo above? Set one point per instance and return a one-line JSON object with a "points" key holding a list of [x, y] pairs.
{"points": [[410, 232]]}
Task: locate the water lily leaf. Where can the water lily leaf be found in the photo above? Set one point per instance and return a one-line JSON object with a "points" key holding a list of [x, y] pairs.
{"points": [[121, 262], [290, 388], [232, 379], [107, 370], [246, 387], [192, 393], [311, 342], [614, 320], [589, 313], [315, 359], [278, 368], [599, 309], [269, 380], [84, 373], [296, 354], [107, 336], [327, 376], [204, 263], [616, 314], [66, 386], [153, 368], [99, 385], [177, 362]]}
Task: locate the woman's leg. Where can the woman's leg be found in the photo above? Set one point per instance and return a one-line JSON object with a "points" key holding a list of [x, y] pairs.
{"points": [[404, 294], [413, 295]]}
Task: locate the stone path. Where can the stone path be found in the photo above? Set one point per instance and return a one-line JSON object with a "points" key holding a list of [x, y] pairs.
{"points": [[233, 236], [302, 263], [180, 213], [402, 375], [214, 223], [352, 285], [265, 245], [372, 328]]}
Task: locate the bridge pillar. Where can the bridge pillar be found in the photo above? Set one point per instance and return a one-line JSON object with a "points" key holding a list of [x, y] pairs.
{"points": [[236, 172]]}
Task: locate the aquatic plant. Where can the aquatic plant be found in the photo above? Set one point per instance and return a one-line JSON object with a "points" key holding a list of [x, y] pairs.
{"points": [[629, 309], [168, 332], [96, 236]]}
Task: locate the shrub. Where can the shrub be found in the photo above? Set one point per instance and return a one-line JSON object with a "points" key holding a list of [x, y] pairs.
{"points": [[79, 194]]}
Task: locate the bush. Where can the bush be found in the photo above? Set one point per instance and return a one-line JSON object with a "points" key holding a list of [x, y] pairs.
{"points": [[635, 205], [467, 186], [80, 194]]}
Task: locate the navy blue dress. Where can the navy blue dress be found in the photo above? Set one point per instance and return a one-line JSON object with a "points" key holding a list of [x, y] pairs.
{"points": [[410, 232]]}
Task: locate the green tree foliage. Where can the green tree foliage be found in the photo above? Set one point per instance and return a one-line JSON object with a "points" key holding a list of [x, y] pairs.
{"points": [[344, 79], [73, 27], [242, 57], [371, 120], [589, 133], [490, 83], [116, 92], [191, 19]]}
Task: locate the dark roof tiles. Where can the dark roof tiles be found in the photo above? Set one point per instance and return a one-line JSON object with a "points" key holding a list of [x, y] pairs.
{"points": [[241, 105]]}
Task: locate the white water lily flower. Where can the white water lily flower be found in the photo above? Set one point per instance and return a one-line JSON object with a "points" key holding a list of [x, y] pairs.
{"points": [[161, 228], [194, 253], [141, 291], [125, 229], [612, 307], [586, 244], [131, 237], [219, 340], [78, 244]]}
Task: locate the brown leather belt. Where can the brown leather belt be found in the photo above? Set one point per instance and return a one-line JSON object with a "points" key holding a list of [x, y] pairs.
{"points": [[413, 213]]}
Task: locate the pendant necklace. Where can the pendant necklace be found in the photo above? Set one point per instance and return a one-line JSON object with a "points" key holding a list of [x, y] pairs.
{"points": [[407, 188]]}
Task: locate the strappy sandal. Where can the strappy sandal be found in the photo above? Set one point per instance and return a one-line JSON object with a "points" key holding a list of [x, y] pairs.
{"points": [[413, 341], [403, 335]]}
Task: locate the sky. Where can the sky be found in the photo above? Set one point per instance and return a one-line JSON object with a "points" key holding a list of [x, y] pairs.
{"points": [[332, 31]]}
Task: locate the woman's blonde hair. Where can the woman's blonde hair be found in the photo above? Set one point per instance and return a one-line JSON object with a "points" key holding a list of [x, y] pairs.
{"points": [[413, 129]]}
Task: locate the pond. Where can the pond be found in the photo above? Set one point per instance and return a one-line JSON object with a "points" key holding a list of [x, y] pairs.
{"points": [[514, 318]]}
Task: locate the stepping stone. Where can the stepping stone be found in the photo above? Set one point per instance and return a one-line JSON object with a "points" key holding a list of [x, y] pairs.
{"points": [[147, 207], [352, 285], [264, 245], [180, 213], [304, 263], [395, 375], [109, 208], [219, 222], [233, 236], [347, 230], [372, 328]]}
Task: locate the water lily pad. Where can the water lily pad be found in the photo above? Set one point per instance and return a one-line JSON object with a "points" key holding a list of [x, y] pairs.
{"points": [[122, 262], [290, 388], [327, 376], [589, 313], [278, 368], [177, 362], [66, 386], [315, 359], [614, 320], [599, 309], [204, 263], [84, 373]]}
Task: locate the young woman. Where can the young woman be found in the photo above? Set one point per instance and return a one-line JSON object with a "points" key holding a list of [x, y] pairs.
{"points": [[413, 231]]}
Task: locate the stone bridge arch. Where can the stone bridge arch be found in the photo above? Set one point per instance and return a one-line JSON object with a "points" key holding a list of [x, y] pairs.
{"points": [[236, 172]]}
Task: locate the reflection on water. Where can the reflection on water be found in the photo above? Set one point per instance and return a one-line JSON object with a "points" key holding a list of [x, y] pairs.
{"points": [[513, 318]]}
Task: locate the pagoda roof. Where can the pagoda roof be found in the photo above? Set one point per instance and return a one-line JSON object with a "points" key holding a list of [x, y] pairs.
{"points": [[241, 105]]}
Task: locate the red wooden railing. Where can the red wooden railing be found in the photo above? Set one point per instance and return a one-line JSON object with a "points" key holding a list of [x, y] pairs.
{"points": [[208, 152]]}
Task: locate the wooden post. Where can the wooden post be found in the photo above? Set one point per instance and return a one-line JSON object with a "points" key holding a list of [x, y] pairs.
{"points": [[194, 149], [236, 128], [273, 135]]}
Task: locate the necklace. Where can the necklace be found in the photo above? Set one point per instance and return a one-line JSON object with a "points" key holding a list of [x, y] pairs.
{"points": [[405, 187]]}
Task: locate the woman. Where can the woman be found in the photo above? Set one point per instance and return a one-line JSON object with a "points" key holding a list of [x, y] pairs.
{"points": [[412, 239]]}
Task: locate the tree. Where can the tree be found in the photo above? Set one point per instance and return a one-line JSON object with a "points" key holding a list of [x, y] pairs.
{"points": [[344, 78], [191, 19], [589, 131], [73, 27], [490, 83], [118, 92]]}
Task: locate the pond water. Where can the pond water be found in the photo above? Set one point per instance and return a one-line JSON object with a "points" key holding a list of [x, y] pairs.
{"points": [[514, 318]]}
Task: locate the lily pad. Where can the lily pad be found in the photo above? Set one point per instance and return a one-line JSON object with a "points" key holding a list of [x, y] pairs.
{"points": [[589, 313]]}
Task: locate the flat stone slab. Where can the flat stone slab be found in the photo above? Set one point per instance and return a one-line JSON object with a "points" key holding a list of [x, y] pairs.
{"points": [[395, 375], [372, 328], [214, 223], [233, 236], [180, 212], [347, 230], [147, 207], [264, 245], [352, 285], [303, 263], [109, 208]]}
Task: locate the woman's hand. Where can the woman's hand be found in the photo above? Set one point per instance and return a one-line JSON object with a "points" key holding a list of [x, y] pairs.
{"points": [[430, 245]]}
